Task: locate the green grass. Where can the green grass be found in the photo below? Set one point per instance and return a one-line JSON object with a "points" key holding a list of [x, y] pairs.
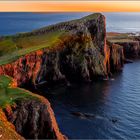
{"points": [[119, 37], [9, 95], [91, 16], [13, 47]]}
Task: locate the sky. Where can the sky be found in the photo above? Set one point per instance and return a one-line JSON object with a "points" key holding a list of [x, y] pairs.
{"points": [[69, 6]]}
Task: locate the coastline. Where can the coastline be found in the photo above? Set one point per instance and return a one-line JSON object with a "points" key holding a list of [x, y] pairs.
{"points": [[82, 51]]}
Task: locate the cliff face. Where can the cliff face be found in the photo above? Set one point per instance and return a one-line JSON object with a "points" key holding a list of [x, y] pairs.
{"points": [[7, 130], [116, 59], [129, 42], [34, 119], [25, 113], [81, 54], [131, 49]]}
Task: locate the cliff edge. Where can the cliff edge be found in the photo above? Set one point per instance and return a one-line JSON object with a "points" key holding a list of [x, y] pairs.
{"points": [[68, 51], [27, 114]]}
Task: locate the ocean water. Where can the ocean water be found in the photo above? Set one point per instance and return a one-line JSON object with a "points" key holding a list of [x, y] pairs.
{"points": [[117, 99], [103, 101], [12, 23]]}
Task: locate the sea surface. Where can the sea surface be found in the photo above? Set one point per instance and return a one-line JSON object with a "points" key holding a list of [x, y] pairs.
{"points": [[112, 107], [12, 23], [116, 99]]}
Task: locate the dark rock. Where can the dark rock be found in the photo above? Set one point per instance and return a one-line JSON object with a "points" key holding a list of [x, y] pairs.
{"points": [[128, 61], [34, 119], [83, 115], [113, 120], [81, 55]]}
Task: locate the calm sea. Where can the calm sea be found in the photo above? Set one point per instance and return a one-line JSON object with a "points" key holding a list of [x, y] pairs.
{"points": [[108, 100], [11, 23], [118, 99]]}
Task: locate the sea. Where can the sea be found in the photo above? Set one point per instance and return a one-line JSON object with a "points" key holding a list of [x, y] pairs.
{"points": [[99, 110], [12, 23]]}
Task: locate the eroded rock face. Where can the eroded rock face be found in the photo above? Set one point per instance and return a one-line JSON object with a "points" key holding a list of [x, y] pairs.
{"points": [[80, 55], [116, 58], [131, 49], [7, 130], [34, 119]]}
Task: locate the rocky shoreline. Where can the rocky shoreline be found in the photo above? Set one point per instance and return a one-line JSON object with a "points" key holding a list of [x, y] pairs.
{"points": [[84, 52]]}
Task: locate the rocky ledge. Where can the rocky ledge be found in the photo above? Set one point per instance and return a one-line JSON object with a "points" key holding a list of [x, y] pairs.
{"points": [[79, 54], [23, 113], [130, 43]]}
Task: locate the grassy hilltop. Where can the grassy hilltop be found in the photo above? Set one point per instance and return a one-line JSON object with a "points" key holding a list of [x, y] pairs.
{"points": [[13, 47], [9, 93]]}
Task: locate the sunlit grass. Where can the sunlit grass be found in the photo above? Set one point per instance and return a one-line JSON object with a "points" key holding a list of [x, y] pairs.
{"points": [[8, 94], [119, 37], [22, 45]]}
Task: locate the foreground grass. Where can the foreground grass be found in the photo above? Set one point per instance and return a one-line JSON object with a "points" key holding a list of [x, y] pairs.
{"points": [[10, 94]]}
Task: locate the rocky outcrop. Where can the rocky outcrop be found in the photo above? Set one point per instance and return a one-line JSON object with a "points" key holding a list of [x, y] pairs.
{"points": [[34, 119], [129, 42], [25, 113], [116, 59], [7, 130], [131, 48], [81, 54]]}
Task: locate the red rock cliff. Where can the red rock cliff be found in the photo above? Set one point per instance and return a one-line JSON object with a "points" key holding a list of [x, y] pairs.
{"points": [[81, 54]]}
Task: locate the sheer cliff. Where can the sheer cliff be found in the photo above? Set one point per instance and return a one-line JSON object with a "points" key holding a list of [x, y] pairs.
{"points": [[80, 53], [25, 113]]}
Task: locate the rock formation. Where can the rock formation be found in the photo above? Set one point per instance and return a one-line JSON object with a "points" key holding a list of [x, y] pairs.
{"points": [[130, 43], [30, 114], [34, 119], [131, 48], [7, 130], [81, 54]]}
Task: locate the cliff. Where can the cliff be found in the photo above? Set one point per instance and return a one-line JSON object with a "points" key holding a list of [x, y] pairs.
{"points": [[116, 59], [7, 130], [30, 114], [79, 53], [129, 42]]}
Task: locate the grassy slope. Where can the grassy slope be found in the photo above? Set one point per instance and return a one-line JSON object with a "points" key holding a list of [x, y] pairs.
{"points": [[9, 94], [13, 47], [119, 37]]}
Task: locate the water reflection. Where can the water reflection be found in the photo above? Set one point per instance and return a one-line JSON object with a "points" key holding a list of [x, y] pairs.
{"points": [[105, 101]]}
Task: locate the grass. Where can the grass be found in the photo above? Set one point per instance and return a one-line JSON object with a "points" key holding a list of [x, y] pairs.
{"points": [[9, 95], [91, 16], [119, 37], [13, 47]]}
